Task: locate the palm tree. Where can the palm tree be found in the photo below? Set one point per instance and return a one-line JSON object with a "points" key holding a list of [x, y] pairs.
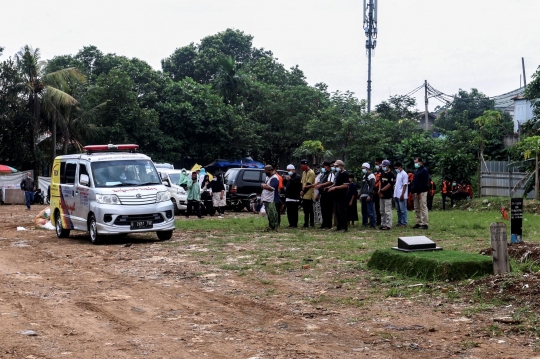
{"points": [[44, 90], [230, 80]]}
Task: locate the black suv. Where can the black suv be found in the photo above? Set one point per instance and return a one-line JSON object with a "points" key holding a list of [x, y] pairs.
{"points": [[244, 184]]}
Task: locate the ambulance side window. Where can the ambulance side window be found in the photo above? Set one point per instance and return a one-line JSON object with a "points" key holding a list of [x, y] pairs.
{"points": [[71, 168], [62, 172]]}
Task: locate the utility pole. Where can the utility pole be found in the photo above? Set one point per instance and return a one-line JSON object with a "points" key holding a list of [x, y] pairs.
{"points": [[370, 28], [523, 66], [426, 113]]}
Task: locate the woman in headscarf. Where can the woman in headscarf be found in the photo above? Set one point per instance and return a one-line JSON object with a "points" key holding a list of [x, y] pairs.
{"points": [[218, 195], [206, 196]]}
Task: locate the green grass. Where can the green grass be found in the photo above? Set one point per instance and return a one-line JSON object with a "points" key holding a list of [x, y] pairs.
{"points": [[435, 265], [240, 245]]}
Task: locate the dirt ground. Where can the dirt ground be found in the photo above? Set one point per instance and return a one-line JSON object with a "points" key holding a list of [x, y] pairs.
{"points": [[136, 298]]}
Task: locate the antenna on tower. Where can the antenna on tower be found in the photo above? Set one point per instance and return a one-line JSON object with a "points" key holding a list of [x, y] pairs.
{"points": [[370, 29]]}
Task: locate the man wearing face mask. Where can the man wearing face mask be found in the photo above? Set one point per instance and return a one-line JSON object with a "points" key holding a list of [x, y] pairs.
{"points": [[292, 196], [420, 188], [400, 195], [378, 174], [327, 200], [270, 196], [307, 193], [317, 211], [367, 192], [386, 192], [339, 189]]}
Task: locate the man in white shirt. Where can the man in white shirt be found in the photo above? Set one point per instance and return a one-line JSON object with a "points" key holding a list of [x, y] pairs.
{"points": [[401, 194]]}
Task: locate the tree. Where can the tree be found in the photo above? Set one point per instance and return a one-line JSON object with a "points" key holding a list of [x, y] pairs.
{"points": [[230, 80], [531, 147], [315, 149], [397, 108], [532, 93], [42, 87], [465, 107], [14, 132]]}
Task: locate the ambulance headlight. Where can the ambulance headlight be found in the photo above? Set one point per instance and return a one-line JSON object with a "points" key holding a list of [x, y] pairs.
{"points": [[107, 199], [163, 196]]}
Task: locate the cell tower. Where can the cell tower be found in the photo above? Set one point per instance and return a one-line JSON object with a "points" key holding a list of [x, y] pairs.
{"points": [[370, 28]]}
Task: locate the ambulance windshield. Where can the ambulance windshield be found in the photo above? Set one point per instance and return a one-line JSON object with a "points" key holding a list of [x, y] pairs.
{"points": [[119, 173]]}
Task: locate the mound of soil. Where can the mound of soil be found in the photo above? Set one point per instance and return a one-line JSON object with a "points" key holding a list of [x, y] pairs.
{"points": [[521, 252]]}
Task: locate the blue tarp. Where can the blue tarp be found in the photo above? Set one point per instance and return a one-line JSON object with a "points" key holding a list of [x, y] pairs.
{"points": [[224, 165]]}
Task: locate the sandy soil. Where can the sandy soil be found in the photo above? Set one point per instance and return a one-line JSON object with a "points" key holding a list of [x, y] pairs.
{"points": [[136, 298]]}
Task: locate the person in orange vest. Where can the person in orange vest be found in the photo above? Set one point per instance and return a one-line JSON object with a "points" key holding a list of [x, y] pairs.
{"points": [[468, 189], [431, 193], [445, 191], [378, 174], [410, 199], [279, 205]]}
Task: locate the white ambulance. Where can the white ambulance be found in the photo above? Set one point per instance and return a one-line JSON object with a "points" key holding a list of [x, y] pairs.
{"points": [[110, 189]]}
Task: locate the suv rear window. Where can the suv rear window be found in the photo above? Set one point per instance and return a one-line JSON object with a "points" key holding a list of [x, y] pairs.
{"points": [[230, 176], [252, 176]]}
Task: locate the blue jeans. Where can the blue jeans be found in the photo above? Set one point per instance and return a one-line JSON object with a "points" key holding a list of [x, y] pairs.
{"points": [[402, 214], [29, 197], [368, 210]]}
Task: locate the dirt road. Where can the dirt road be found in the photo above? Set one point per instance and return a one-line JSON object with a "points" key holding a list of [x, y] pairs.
{"points": [[136, 298]]}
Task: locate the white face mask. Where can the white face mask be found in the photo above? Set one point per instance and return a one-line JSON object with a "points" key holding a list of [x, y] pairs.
{"points": [[398, 170], [290, 173], [338, 169]]}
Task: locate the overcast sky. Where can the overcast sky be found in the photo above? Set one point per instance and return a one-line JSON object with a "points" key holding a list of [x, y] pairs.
{"points": [[451, 43]]}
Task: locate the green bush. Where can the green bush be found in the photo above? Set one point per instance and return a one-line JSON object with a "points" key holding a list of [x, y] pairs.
{"points": [[433, 265]]}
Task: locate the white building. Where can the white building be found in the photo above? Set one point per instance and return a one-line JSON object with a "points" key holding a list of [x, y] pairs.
{"points": [[523, 111]]}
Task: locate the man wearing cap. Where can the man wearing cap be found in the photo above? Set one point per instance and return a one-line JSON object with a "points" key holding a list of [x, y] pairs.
{"points": [[292, 196], [339, 190], [367, 192], [386, 191], [327, 200], [307, 193]]}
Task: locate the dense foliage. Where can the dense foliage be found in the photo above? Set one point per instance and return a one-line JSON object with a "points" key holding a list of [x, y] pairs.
{"points": [[224, 98]]}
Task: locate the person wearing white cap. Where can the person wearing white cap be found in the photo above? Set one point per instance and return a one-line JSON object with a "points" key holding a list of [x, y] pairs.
{"points": [[367, 192], [292, 196]]}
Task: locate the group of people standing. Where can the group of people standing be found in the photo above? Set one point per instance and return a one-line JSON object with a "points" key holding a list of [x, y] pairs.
{"points": [[455, 191], [210, 192], [329, 194]]}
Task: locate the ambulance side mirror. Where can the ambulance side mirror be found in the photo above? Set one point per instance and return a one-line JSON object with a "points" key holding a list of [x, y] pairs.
{"points": [[84, 180]]}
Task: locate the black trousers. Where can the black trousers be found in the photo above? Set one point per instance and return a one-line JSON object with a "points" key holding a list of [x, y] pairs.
{"points": [[193, 204], [340, 208], [377, 210], [292, 213], [443, 195], [309, 217], [327, 209], [279, 207], [429, 202]]}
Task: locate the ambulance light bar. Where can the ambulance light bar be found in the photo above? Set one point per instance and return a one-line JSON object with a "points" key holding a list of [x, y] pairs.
{"points": [[111, 148]]}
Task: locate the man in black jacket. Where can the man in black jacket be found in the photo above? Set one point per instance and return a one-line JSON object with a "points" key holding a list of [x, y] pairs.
{"points": [[339, 190], [27, 185], [292, 196], [419, 188]]}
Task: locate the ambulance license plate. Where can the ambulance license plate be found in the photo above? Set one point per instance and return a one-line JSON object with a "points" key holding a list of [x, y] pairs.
{"points": [[141, 224]]}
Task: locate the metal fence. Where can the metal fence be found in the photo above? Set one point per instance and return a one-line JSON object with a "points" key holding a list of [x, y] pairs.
{"points": [[499, 180]]}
